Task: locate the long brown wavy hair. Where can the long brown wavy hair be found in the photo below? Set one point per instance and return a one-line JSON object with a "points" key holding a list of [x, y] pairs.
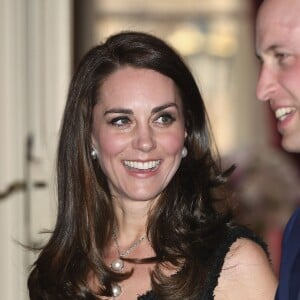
{"points": [[188, 221]]}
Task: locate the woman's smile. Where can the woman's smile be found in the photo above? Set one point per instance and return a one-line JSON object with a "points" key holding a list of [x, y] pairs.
{"points": [[150, 165]]}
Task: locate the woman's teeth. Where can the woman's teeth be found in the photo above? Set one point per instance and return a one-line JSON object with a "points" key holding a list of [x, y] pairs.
{"points": [[142, 165]]}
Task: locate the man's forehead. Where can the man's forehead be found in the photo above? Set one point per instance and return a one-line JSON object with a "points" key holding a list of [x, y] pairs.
{"points": [[277, 25], [270, 42], [280, 11]]}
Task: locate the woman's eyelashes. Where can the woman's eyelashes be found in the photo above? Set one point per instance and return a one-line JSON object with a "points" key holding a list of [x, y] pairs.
{"points": [[120, 121], [165, 119], [162, 119]]}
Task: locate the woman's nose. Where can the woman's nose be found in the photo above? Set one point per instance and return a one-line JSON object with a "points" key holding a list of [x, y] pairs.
{"points": [[144, 138]]}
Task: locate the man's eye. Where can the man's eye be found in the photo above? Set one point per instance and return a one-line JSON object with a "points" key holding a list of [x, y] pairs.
{"points": [[281, 56], [165, 119], [120, 121]]}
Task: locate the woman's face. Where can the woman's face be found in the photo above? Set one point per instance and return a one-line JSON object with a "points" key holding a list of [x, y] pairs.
{"points": [[138, 132]]}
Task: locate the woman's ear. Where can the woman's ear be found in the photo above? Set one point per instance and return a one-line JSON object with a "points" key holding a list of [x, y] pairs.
{"points": [[93, 141]]}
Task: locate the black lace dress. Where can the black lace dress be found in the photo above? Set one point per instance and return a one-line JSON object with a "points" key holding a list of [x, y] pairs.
{"points": [[232, 234]]}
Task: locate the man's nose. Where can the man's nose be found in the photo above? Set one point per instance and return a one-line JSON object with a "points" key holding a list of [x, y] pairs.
{"points": [[144, 139], [266, 84]]}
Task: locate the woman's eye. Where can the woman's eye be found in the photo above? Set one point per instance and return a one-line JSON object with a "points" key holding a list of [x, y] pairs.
{"points": [[165, 119], [120, 121]]}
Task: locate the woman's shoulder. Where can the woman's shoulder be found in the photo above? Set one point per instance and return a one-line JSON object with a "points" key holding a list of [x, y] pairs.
{"points": [[246, 268], [243, 254], [236, 239], [236, 234]]}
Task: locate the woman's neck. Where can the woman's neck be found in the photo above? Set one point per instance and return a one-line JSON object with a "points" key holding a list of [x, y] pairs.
{"points": [[132, 218]]}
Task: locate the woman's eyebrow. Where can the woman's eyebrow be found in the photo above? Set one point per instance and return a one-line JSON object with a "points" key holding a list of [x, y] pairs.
{"points": [[119, 111], [130, 112], [162, 107]]}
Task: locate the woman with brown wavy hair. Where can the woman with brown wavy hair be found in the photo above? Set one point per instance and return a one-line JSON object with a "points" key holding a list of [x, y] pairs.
{"points": [[142, 211]]}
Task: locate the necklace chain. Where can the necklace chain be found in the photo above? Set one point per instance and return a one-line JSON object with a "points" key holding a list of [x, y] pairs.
{"points": [[131, 248], [117, 265]]}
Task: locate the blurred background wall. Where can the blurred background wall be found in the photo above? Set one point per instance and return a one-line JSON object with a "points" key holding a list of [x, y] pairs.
{"points": [[42, 42]]}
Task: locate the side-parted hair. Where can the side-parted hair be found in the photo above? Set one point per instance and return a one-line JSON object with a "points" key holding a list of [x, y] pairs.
{"points": [[184, 227]]}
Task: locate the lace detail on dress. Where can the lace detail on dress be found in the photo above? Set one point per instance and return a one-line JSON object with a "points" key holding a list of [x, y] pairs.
{"points": [[232, 233], [147, 296]]}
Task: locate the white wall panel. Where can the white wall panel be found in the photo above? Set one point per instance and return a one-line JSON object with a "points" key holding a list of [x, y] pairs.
{"points": [[35, 60]]}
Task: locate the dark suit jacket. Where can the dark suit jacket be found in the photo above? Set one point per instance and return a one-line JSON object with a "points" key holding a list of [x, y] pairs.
{"points": [[289, 277]]}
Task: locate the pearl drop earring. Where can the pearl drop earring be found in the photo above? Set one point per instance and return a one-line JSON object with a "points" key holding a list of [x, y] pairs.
{"points": [[184, 152], [94, 154]]}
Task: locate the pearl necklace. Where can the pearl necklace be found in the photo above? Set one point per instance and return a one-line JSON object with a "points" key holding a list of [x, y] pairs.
{"points": [[117, 265]]}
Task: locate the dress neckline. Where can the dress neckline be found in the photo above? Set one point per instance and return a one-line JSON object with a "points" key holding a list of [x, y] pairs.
{"points": [[145, 296]]}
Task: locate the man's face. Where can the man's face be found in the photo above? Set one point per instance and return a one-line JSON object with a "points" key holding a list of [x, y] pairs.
{"points": [[278, 47]]}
